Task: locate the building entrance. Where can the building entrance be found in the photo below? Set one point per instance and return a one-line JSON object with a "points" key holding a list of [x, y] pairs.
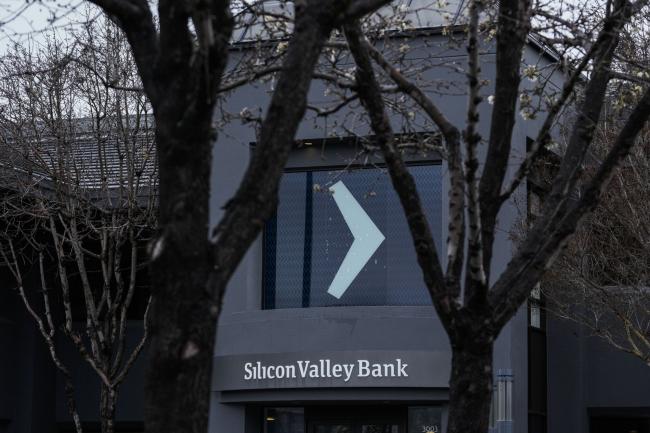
{"points": [[352, 427], [354, 418]]}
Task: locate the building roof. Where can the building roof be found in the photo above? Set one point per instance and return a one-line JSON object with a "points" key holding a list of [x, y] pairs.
{"points": [[276, 17], [88, 159]]}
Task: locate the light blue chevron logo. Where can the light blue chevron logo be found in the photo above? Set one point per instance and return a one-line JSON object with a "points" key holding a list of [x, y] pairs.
{"points": [[367, 238]]}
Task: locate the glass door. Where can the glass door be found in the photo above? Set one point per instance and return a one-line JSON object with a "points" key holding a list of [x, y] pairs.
{"points": [[353, 427], [381, 427], [330, 427]]}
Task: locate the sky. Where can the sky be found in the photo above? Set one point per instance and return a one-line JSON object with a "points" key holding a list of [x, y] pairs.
{"points": [[27, 20], [24, 20]]}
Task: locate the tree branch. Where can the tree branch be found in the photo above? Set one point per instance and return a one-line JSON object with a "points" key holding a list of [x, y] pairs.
{"points": [[544, 134], [359, 8], [476, 285], [451, 134], [513, 29], [544, 242], [254, 201], [136, 20], [370, 95]]}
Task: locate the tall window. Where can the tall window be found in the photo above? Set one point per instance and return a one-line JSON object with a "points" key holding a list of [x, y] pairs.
{"points": [[307, 243], [537, 187]]}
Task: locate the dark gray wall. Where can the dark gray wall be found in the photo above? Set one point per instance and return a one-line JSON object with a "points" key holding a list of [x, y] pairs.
{"points": [[26, 378], [31, 389], [585, 374], [130, 403]]}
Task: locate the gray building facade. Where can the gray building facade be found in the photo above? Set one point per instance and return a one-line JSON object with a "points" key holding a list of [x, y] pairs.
{"points": [[307, 345], [397, 326]]}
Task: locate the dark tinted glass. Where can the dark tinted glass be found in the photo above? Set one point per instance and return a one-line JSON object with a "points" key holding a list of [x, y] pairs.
{"points": [[284, 420], [425, 419], [308, 239]]}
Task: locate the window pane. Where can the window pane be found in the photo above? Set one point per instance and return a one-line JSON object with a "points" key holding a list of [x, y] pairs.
{"points": [[425, 419], [535, 315], [331, 428], [284, 420], [308, 239], [379, 428]]}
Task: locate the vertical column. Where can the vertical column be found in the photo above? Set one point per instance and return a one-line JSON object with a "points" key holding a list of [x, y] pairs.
{"points": [[501, 417]]}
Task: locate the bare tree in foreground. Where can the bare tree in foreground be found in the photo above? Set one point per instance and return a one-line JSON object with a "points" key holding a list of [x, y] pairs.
{"points": [[78, 203], [181, 63], [472, 304]]}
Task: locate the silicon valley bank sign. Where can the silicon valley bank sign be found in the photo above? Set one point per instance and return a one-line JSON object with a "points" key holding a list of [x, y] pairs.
{"points": [[332, 369], [325, 368]]}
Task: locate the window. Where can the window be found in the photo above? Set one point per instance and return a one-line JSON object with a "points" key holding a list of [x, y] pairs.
{"points": [[284, 419], [535, 314], [425, 419], [307, 241], [537, 187]]}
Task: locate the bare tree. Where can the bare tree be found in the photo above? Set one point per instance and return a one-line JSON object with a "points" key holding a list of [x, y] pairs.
{"points": [[472, 304], [602, 279], [181, 60], [79, 200]]}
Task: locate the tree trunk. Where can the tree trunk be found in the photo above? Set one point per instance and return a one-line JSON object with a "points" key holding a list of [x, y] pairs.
{"points": [[183, 316], [72, 406], [107, 409], [470, 386]]}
